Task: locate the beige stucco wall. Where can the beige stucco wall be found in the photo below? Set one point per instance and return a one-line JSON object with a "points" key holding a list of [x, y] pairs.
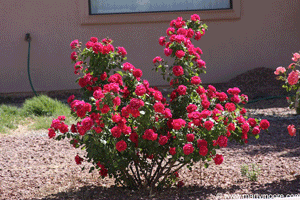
{"points": [[265, 35]]}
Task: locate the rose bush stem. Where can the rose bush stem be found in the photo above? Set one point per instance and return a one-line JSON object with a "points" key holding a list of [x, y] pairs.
{"points": [[130, 181], [165, 175], [157, 170], [144, 174], [158, 176], [138, 173], [135, 175]]}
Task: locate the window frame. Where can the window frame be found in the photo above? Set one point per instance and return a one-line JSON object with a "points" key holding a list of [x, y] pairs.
{"points": [[125, 13], [154, 17]]}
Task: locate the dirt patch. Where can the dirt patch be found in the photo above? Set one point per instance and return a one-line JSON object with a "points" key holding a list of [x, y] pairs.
{"points": [[35, 167]]}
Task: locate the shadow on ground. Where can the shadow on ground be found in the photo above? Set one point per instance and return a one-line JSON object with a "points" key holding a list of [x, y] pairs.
{"points": [[90, 192], [195, 192]]}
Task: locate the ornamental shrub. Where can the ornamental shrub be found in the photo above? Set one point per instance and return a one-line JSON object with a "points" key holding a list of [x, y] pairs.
{"points": [[290, 76], [134, 134]]}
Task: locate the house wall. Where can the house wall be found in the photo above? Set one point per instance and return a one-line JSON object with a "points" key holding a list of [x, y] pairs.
{"points": [[265, 34]]}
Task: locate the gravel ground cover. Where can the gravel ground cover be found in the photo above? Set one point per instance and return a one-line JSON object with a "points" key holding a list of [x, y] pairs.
{"points": [[35, 167]]}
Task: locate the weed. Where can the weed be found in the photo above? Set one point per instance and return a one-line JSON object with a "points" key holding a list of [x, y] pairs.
{"points": [[251, 172]]}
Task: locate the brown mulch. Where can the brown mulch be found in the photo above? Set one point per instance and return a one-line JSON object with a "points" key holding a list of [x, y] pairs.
{"points": [[32, 166]]}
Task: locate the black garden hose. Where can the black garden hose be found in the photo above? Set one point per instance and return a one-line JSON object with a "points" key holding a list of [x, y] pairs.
{"points": [[28, 39]]}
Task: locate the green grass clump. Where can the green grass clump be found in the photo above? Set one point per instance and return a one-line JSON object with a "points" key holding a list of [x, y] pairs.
{"points": [[9, 117], [43, 106], [41, 109]]}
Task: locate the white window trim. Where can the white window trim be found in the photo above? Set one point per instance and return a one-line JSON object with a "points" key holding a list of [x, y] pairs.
{"points": [[133, 18]]}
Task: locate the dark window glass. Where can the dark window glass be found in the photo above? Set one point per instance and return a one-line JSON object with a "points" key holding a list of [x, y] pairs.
{"points": [[137, 6]]}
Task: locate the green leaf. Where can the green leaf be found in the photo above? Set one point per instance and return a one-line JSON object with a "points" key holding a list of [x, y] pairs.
{"points": [[256, 137], [85, 138], [59, 137], [206, 165], [91, 169], [119, 72]]}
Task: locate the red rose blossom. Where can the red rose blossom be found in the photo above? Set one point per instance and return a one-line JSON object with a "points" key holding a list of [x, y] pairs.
{"points": [[172, 151], [181, 90], [179, 54], [264, 124], [140, 90], [137, 73], [163, 140], [78, 160], [222, 141], [178, 124], [203, 150], [230, 107], [190, 137], [122, 51], [208, 125], [178, 71], [191, 108], [162, 41], [51, 133], [255, 130], [251, 122], [292, 130], [159, 107], [188, 149], [218, 159], [195, 80], [121, 146]]}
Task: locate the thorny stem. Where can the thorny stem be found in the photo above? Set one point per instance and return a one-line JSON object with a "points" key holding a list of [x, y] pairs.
{"points": [[144, 174], [161, 171], [138, 173], [134, 175], [130, 180], [168, 172], [158, 168], [153, 164], [200, 172]]}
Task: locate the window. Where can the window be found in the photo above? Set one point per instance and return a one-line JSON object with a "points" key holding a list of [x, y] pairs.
{"points": [[98, 7], [92, 12]]}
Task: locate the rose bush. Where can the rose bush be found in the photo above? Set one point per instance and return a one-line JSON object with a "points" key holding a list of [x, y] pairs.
{"points": [[131, 132], [290, 76]]}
